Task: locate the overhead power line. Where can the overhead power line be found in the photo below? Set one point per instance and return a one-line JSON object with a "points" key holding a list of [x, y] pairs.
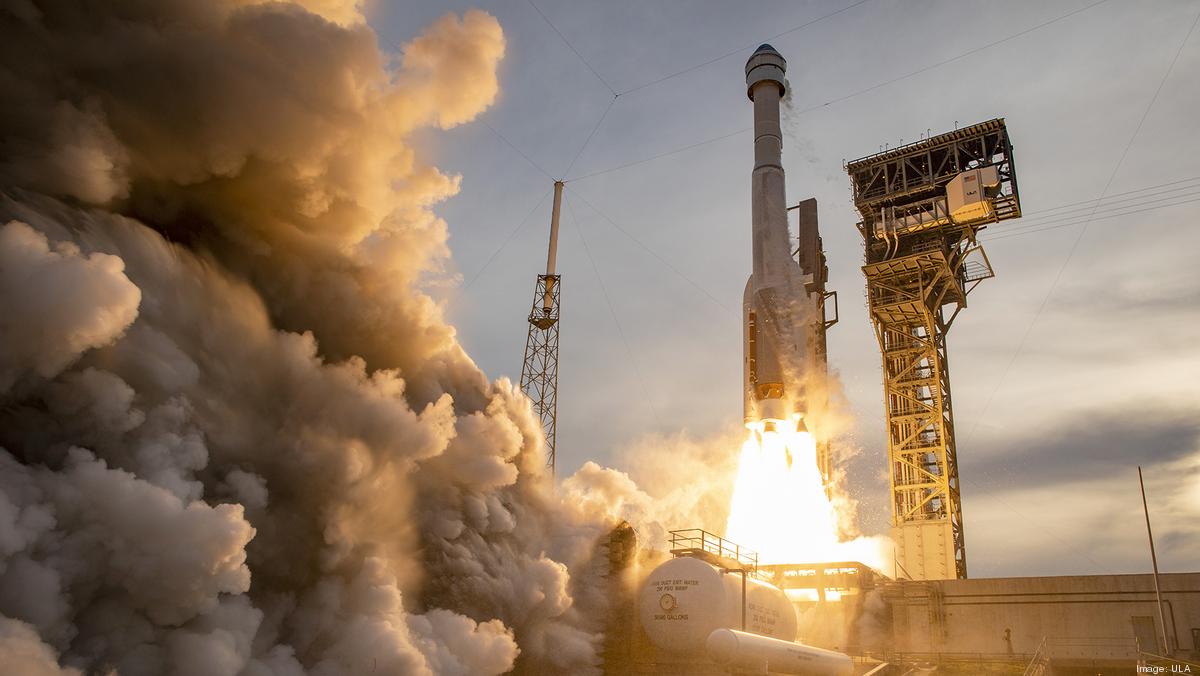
{"points": [[510, 144], [1129, 202], [507, 239], [1083, 231], [952, 59], [1028, 520], [588, 140], [652, 252], [637, 371], [1084, 220], [616, 94], [572, 48], [743, 130], [1147, 201], [741, 50], [587, 65], [851, 95], [1042, 218], [1094, 207], [1119, 194]]}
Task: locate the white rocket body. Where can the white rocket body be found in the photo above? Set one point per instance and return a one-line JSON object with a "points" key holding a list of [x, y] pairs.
{"points": [[776, 308]]}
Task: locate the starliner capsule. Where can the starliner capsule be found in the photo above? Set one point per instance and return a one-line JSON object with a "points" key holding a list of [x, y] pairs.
{"points": [[776, 308]]}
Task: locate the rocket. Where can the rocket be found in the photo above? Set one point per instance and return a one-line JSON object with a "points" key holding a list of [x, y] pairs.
{"points": [[777, 309]]}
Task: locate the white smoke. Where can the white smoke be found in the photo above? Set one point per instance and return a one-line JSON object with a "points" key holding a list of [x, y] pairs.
{"points": [[22, 651], [94, 303], [672, 482], [238, 438]]}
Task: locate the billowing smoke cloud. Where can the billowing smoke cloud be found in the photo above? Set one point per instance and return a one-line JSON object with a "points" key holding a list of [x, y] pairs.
{"points": [[671, 482], [94, 303], [238, 439]]}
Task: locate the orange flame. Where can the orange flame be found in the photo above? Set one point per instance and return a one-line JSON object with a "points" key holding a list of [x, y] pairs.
{"points": [[780, 507]]}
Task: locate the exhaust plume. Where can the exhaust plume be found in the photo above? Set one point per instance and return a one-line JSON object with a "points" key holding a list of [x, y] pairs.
{"points": [[238, 438]]}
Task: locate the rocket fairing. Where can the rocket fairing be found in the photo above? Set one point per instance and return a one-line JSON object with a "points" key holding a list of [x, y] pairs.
{"points": [[776, 307]]}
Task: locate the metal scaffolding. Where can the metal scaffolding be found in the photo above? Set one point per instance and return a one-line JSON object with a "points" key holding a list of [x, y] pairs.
{"points": [[539, 375], [922, 206], [539, 371]]}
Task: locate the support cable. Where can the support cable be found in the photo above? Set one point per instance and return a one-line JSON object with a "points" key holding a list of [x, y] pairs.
{"points": [[1082, 232], [650, 251], [1040, 524], [588, 140], [1083, 221], [1041, 218], [1110, 199], [741, 50], [572, 48], [637, 371], [616, 94], [1148, 200], [508, 239], [510, 144], [952, 59], [662, 155], [855, 94]]}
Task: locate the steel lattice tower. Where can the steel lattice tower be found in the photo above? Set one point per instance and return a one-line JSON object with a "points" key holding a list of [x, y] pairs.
{"points": [[539, 372], [922, 207]]}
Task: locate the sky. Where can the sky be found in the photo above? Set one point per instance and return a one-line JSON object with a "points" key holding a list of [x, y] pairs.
{"points": [[1077, 363]]}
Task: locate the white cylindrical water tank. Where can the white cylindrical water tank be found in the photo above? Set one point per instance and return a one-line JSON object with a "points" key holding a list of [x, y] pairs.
{"points": [[685, 599], [761, 654]]}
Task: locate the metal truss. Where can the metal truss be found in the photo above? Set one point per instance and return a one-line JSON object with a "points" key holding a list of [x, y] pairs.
{"points": [[539, 372], [919, 264], [905, 178], [905, 297]]}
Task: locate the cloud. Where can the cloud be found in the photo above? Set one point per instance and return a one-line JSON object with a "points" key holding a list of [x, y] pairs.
{"points": [[23, 652], [1085, 466], [239, 436], [58, 303], [1086, 445]]}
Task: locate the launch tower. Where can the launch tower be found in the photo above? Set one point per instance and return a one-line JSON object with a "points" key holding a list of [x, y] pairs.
{"points": [[922, 206], [539, 372]]}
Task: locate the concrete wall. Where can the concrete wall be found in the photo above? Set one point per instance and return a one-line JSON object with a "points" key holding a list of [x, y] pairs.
{"points": [[1083, 617]]}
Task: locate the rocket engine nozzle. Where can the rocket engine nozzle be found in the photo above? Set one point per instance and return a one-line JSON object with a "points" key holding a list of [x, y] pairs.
{"points": [[771, 424]]}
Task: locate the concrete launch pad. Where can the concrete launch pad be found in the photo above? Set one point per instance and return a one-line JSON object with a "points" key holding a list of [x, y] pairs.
{"points": [[923, 206], [1053, 626]]}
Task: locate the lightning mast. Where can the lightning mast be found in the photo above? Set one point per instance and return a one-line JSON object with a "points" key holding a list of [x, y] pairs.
{"points": [[539, 373], [922, 206]]}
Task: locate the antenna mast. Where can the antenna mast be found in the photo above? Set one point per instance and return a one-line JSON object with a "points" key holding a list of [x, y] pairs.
{"points": [[539, 373]]}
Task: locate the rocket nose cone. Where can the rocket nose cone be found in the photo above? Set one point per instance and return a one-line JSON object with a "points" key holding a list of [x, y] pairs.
{"points": [[769, 64]]}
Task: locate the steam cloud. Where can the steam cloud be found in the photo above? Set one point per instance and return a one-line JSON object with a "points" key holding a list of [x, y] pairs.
{"points": [[238, 439]]}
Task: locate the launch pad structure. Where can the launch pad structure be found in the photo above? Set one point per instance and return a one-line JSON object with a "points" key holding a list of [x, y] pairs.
{"points": [[810, 257], [922, 207], [707, 606], [539, 371]]}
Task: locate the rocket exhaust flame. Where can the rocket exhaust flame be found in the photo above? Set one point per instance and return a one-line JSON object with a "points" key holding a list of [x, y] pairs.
{"points": [[780, 507]]}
